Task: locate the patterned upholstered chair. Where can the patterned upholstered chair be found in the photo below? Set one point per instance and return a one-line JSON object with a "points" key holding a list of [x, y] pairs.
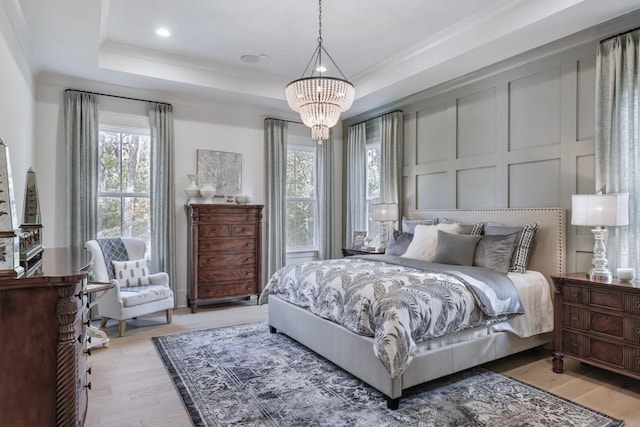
{"points": [[136, 292]]}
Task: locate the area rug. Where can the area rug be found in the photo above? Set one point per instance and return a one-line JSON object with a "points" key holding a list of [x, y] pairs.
{"points": [[246, 376]]}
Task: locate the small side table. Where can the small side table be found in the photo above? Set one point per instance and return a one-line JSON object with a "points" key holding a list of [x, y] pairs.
{"points": [[349, 252], [98, 336]]}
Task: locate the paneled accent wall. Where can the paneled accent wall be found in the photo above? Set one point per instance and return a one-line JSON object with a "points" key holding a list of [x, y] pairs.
{"points": [[520, 137]]}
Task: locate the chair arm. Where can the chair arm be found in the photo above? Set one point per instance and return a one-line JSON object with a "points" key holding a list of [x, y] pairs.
{"points": [[161, 278]]}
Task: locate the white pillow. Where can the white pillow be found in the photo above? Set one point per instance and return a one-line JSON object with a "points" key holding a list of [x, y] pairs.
{"points": [[131, 273], [425, 241]]}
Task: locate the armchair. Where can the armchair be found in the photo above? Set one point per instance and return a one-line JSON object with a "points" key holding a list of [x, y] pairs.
{"points": [[129, 300]]}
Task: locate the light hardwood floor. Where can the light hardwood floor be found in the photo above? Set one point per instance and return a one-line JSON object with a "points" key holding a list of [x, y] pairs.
{"points": [[130, 386]]}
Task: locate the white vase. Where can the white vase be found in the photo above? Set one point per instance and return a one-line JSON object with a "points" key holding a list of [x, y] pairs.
{"points": [[208, 192]]}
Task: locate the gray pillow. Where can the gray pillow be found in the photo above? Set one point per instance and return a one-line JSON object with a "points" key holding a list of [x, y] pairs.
{"points": [[526, 233], [409, 225], [456, 249], [495, 252], [474, 229], [398, 243]]}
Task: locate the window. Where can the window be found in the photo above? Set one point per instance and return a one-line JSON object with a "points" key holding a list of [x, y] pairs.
{"points": [[124, 183], [373, 174], [301, 198]]}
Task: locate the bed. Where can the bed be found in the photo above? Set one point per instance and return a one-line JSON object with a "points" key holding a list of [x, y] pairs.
{"points": [[439, 356]]}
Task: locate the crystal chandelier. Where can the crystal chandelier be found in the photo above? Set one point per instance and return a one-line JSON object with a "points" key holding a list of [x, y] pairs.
{"points": [[320, 99]]}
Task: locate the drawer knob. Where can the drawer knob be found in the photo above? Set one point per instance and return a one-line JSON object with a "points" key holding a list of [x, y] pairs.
{"points": [[574, 316], [574, 343], [247, 259], [638, 304], [638, 331], [248, 244], [215, 229], [247, 273], [244, 229], [574, 294], [637, 360]]}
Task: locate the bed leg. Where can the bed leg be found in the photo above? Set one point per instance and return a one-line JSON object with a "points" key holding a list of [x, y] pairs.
{"points": [[393, 404], [272, 329]]}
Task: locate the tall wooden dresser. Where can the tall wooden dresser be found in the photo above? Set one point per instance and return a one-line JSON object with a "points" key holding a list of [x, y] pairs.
{"points": [[43, 355], [224, 252]]}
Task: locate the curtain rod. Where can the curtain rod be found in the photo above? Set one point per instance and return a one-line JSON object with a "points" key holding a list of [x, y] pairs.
{"points": [[377, 117], [116, 96], [284, 120], [619, 34]]}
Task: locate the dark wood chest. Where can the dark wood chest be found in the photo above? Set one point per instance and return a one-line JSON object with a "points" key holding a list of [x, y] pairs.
{"points": [[597, 323], [224, 252]]}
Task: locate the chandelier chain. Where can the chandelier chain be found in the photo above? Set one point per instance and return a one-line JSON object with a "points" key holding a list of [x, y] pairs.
{"points": [[320, 21]]}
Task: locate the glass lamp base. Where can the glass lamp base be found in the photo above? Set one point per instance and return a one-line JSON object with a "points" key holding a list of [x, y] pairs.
{"points": [[605, 275]]}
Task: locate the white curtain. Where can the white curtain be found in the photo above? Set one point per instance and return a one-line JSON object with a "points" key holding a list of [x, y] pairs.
{"points": [[163, 236], [324, 170], [275, 138], [617, 139], [81, 140], [356, 175], [391, 157]]}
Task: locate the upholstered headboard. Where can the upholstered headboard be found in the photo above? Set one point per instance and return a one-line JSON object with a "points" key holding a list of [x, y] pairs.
{"points": [[548, 252]]}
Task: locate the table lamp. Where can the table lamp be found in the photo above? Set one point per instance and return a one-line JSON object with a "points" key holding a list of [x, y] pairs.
{"points": [[599, 211], [385, 213]]}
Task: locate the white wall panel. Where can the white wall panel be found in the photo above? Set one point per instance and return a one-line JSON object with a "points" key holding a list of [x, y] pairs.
{"points": [[429, 192], [534, 110], [476, 188], [534, 184], [434, 134], [586, 102], [476, 128]]}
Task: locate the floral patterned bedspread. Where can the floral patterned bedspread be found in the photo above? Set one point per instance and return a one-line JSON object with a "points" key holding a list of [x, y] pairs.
{"points": [[398, 301]]}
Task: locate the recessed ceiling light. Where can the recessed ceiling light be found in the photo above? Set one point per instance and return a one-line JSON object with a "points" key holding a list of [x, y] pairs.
{"points": [[163, 32], [250, 59]]}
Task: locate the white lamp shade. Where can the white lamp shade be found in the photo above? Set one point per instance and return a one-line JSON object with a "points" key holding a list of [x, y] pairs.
{"points": [[600, 209], [384, 212]]}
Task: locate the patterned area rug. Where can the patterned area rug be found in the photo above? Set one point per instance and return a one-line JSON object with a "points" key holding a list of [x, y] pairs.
{"points": [[246, 376]]}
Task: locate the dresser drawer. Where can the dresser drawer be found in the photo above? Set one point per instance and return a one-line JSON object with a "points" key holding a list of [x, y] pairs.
{"points": [[213, 230], [631, 304], [229, 275], [242, 230], [235, 245], [576, 294], [226, 260], [610, 300], [576, 317], [631, 359], [227, 289], [575, 344]]}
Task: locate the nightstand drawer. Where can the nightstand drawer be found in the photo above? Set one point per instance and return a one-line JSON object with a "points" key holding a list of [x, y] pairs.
{"points": [[577, 294], [576, 317], [611, 300], [576, 344], [632, 359], [632, 304]]}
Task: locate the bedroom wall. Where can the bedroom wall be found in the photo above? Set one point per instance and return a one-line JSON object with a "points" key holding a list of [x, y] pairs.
{"points": [[197, 126], [517, 134], [17, 87], [521, 138]]}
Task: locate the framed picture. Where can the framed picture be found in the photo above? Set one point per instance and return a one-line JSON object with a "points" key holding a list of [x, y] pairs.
{"points": [[220, 169], [358, 239]]}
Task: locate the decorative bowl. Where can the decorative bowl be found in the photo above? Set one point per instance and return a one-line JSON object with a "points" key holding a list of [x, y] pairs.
{"points": [[244, 198]]}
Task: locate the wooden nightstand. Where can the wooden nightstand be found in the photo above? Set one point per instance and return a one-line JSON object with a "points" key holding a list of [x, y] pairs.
{"points": [[349, 252], [597, 323]]}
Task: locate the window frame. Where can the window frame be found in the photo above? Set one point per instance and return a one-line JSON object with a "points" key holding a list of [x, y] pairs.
{"points": [[131, 130], [315, 247]]}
